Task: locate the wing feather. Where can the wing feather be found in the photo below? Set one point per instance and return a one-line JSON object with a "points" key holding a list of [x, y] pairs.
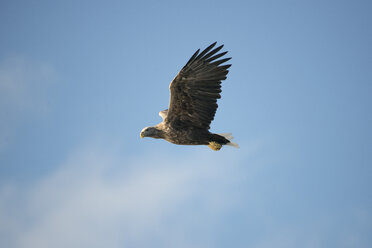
{"points": [[196, 88], [163, 114], [205, 51]]}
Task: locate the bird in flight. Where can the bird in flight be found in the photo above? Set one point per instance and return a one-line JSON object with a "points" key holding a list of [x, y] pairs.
{"points": [[193, 102]]}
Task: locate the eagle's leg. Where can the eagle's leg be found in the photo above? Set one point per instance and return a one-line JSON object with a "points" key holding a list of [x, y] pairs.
{"points": [[214, 145]]}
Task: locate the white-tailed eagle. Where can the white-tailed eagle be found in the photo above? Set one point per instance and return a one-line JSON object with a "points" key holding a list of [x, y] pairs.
{"points": [[193, 102]]}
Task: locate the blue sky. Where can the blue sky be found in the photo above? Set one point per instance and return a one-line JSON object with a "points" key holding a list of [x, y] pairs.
{"points": [[79, 80]]}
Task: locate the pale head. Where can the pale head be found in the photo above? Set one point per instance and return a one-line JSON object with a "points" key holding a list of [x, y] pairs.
{"points": [[149, 132]]}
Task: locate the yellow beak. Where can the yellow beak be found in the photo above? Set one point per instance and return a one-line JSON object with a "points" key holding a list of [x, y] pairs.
{"points": [[141, 134]]}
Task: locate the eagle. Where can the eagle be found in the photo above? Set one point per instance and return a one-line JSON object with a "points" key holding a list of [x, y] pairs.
{"points": [[193, 102]]}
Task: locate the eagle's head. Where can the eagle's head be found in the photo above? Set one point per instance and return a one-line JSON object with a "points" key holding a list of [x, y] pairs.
{"points": [[150, 132]]}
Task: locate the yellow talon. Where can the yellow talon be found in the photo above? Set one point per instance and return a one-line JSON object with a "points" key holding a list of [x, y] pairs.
{"points": [[214, 146]]}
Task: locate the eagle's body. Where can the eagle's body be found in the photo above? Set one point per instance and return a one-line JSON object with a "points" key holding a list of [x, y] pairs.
{"points": [[187, 135], [193, 103]]}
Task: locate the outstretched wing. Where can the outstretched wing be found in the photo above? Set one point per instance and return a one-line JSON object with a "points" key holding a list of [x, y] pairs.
{"points": [[196, 88]]}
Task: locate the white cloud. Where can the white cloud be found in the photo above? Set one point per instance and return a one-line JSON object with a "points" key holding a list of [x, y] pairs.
{"points": [[98, 199], [23, 82], [23, 86]]}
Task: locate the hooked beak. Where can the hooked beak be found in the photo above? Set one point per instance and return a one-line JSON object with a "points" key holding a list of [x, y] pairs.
{"points": [[141, 134]]}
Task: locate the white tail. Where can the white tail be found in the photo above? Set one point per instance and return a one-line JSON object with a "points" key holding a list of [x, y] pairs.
{"points": [[229, 137]]}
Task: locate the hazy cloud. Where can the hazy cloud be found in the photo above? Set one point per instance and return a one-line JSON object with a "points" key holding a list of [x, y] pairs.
{"points": [[23, 86], [99, 199], [23, 83]]}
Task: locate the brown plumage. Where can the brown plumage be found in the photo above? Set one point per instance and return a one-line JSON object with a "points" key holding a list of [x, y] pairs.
{"points": [[193, 102]]}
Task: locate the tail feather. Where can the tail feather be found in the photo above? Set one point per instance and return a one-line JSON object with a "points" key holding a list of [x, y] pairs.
{"points": [[229, 137], [233, 144]]}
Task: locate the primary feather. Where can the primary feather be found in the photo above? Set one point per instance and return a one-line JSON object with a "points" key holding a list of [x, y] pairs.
{"points": [[196, 88]]}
